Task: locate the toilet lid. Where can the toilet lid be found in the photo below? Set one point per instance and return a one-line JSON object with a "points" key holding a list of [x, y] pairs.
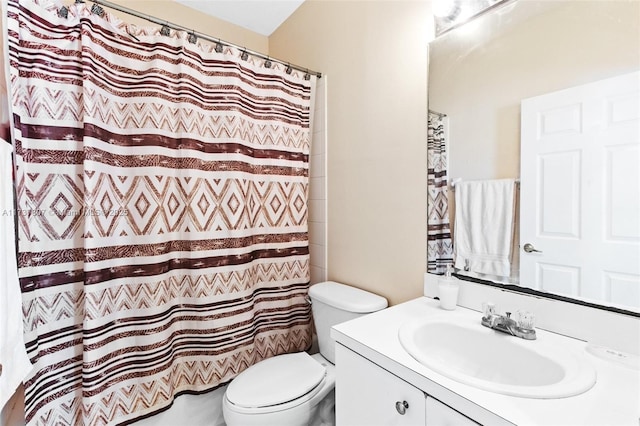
{"points": [[275, 381]]}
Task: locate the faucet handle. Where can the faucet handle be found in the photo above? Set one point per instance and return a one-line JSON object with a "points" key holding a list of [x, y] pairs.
{"points": [[526, 320], [489, 309]]}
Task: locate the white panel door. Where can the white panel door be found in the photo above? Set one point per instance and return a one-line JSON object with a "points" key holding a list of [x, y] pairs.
{"points": [[580, 192]]}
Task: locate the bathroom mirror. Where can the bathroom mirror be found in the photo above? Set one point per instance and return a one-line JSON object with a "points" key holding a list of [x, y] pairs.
{"points": [[481, 71]]}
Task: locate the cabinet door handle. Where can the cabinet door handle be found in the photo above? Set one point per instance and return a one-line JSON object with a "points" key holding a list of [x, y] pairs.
{"points": [[401, 407]]}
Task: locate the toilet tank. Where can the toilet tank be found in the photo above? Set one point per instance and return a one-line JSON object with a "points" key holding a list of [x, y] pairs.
{"points": [[333, 303]]}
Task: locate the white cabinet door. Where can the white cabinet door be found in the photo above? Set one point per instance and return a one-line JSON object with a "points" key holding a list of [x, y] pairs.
{"points": [[580, 191], [368, 395], [439, 414]]}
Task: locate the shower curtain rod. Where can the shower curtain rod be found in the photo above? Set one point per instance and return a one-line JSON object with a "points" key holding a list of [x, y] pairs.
{"points": [[196, 33]]}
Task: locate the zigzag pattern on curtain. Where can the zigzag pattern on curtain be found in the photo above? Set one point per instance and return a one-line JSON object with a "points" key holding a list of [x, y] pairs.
{"points": [[439, 243], [163, 230]]}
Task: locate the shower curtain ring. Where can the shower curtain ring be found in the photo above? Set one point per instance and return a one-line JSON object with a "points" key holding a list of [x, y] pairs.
{"points": [[219, 47], [307, 76], [97, 10], [289, 70], [244, 55], [165, 30], [268, 63], [192, 37]]}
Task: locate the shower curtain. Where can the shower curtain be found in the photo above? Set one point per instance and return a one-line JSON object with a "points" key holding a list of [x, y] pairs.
{"points": [[439, 244], [162, 192]]}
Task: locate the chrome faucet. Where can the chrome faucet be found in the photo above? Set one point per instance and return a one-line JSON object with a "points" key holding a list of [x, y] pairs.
{"points": [[522, 328]]}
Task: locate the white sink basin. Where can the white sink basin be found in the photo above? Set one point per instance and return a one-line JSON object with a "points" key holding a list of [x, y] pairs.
{"points": [[484, 358]]}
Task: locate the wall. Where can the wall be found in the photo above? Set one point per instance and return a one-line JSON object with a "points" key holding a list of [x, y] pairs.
{"points": [[374, 54], [478, 75]]}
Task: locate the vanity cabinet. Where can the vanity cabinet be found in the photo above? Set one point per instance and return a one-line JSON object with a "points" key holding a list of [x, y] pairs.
{"points": [[374, 371], [367, 394], [439, 414]]}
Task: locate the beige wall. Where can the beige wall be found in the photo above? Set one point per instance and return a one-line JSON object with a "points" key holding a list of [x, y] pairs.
{"points": [[374, 56], [478, 76]]}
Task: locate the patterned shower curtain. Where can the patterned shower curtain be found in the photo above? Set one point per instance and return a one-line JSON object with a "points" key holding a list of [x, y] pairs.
{"points": [[439, 244], [162, 189]]}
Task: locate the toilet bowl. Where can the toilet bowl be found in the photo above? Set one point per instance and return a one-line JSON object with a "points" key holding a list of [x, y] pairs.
{"points": [[298, 389], [274, 398]]}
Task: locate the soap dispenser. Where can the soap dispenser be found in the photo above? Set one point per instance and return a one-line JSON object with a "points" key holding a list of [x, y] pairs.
{"points": [[448, 290]]}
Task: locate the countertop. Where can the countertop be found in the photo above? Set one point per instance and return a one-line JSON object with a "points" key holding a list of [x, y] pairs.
{"points": [[613, 400]]}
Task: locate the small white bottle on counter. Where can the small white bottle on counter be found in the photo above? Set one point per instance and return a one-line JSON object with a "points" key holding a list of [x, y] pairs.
{"points": [[448, 290]]}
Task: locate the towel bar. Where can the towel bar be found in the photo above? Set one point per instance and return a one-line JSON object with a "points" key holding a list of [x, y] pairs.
{"points": [[453, 183]]}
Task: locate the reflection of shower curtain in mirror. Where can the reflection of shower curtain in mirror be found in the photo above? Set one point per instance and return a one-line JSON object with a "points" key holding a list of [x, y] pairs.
{"points": [[439, 245], [163, 185]]}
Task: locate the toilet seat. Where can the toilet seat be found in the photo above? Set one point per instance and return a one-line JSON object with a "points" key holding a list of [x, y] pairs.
{"points": [[276, 384]]}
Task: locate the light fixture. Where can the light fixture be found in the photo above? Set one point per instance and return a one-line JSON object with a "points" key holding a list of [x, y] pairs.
{"points": [[450, 14], [445, 8]]}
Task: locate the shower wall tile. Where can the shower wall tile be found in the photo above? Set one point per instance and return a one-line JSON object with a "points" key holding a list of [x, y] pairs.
{"points": [[317, 187], [318, 274], [318, 257], [318, 211], [317, 165], [319, 113], [317, 233], [318, 149]]}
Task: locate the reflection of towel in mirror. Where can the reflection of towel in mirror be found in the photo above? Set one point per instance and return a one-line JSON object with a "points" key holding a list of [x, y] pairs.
{"points": [[13, 357], [484, 226]]}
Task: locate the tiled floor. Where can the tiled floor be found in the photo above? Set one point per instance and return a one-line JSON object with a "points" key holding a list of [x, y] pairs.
{"points": [[191, 410]]}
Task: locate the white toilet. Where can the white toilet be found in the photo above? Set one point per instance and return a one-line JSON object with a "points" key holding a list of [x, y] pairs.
{"points": [[297, 389]]}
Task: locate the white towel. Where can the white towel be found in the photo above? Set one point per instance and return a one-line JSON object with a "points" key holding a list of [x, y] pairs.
{"points": [[484, 226], [13, 355]]}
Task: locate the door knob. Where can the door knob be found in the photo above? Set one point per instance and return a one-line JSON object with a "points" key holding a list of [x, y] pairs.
{"points": [[529, 248]]}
